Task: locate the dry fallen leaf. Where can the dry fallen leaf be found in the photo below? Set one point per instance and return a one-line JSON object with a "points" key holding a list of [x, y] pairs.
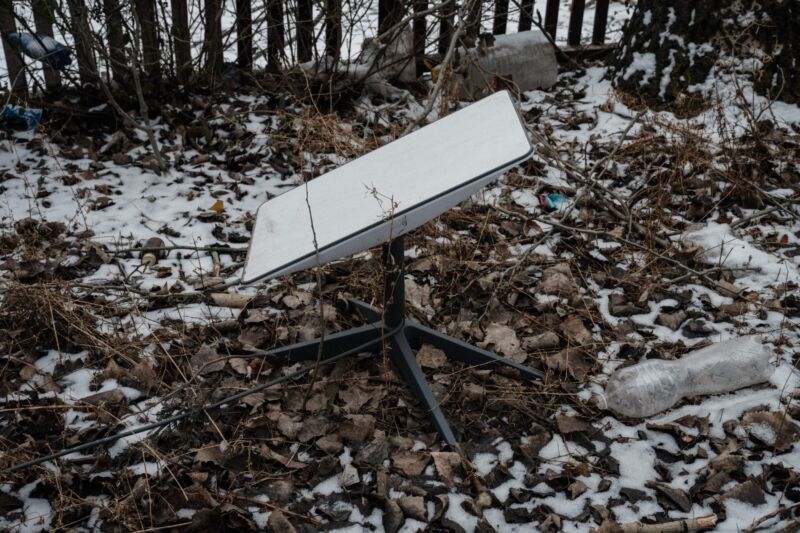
{"points": [[572, 424], [430, 357], [772, 429], [288, 426], [557, 280], [240, 365], [357, 428], [210, 454], [749, 492], [570, 360], [218, 206], [503, 338], [356, 397], [206, 360], [572, 328], [411, 463], [447, 463]]}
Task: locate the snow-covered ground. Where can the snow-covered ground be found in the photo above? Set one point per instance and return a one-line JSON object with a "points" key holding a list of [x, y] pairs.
{"points": [[720, 454]]}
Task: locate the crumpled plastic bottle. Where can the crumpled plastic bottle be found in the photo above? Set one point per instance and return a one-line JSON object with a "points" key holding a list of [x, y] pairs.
{"points": [[41, 47], [553, 201], [655, 385], [15, 114], [153, 252]]}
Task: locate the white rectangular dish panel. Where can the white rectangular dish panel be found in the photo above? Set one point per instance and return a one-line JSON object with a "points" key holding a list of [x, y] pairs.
{"points": [[389, 191]]}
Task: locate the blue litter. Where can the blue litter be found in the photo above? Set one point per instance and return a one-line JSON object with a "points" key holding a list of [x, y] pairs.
{"points": [[15, 113], [41, 47], [553, 201]]}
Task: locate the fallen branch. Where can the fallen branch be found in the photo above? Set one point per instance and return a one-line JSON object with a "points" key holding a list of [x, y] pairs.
{"points": [[231, 300], [677, 526], [768, 516]]}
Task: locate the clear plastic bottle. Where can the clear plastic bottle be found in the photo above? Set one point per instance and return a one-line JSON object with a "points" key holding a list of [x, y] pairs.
{"points": [[655, 385]]}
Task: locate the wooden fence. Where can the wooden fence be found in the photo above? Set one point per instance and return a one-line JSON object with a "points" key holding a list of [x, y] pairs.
{"points": [[132, 35]]}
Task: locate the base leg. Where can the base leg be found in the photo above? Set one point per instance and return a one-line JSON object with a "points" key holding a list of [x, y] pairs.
{"points": [[334, 344], [403, 357], [463, 351]]}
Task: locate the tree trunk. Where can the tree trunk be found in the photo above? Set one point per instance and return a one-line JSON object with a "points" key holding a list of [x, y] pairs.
{"points": [[275, 39], [780, 78], [390, 12], [16, 69], [473, 22], [244, 34], [115, 33], [146, 13], [447, 18], [181, 40], [305, 30], [213, 38], [525, 15], [43, 20], [84, 51], [670, 46], [500, 17], [333, 28], [420, 29]]}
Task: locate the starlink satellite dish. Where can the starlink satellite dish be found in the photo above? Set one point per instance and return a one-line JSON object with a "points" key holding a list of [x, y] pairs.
{"points": [[377, 199]]}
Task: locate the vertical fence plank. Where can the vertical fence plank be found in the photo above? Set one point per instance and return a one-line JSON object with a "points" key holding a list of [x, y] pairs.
{"points": [[474, 21], [551, 18], [181, 40], [500, 22], [87, 68], [43, 20], [16, 69], [213, 38], [148, 26], [390, 12], [525, 15], [305, 30], [244, 34], [576, 22], [275, 35], [600, 20], [446, 26], [420, 29], [112, 11], [333, 28]]}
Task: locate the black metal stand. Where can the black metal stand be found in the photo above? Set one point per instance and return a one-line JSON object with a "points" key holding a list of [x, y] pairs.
{"points": [[408, 336]]}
